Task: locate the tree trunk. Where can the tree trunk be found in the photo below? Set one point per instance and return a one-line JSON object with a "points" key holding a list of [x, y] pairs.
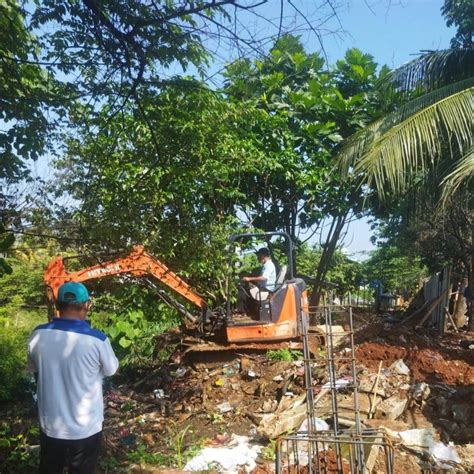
{"points": [[332, 240], [459, 311], [470, 279]]}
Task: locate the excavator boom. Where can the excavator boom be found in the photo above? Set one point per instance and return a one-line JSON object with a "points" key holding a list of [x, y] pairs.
{"points": [[272, 317], [138, 264]]}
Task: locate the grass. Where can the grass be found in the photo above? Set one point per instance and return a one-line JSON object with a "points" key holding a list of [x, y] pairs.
{"points": [[286, 355]]}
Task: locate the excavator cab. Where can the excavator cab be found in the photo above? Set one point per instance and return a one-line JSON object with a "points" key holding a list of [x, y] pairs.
{"points": [[275, 313]]}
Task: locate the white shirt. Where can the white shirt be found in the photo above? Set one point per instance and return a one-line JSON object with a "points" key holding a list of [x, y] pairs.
{"points": [[269, 273], [71, 360]]}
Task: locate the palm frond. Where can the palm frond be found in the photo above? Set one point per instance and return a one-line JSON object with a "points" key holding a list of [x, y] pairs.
{"points": [[461, 174], [360, 142], [432, 70], [408, 147]]}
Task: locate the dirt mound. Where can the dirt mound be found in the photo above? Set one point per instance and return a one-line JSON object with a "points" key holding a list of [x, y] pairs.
{"points": [[426, 364]]}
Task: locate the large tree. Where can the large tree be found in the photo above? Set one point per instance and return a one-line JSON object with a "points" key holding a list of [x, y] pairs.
{"points": [[303, 111], [27, 92], [421, 154]]}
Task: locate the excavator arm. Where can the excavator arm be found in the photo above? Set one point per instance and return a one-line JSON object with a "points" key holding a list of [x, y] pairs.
{"points": [[138, 263]]}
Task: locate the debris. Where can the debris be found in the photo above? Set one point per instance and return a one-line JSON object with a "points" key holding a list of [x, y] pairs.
{"points": [[338, 332], [318, 423], [391, 408], [444, 455], [278, 378], [269, 406], [230, 459], [421, 391], [290, 414], [400, 368], [418, 439], [219, 383], [367, 384], [366, 404], [251, 374], [225, 407]]}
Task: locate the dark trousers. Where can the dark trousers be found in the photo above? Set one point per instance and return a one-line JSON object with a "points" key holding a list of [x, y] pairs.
{"points": [[79, 455], [245, 303]]}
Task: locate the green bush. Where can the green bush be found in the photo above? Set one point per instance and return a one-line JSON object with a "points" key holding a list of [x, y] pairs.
{"points": [[286, 355], [132, 319], [21, 289], [14, 334]]}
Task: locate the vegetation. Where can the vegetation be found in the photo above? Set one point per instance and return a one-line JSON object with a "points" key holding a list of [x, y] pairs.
{"points": [[20, 294], [147, 149], [418, 160], [286, 355]]}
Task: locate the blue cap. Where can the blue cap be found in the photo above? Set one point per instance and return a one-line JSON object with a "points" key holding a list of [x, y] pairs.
{"points": [[73, 292]]}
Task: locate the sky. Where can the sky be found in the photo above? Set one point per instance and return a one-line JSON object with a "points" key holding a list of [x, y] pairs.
{"points": [[392, 31]]}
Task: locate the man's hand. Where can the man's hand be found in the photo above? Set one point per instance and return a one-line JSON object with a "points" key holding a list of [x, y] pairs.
{"points": [[247, 279]]}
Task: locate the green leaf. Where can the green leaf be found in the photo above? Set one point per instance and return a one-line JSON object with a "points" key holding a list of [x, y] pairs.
{"points": [[124, 342], [113, 332]]}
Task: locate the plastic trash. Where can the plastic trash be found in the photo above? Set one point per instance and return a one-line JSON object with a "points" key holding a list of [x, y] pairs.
{"points": [[278, 378], [318, 423], [231, 459], [444, 456], [400, 368], [181, 372], [224, 407], [159, 393]]}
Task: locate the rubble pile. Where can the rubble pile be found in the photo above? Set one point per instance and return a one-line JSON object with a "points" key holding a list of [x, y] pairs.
{"points": [[409, 385], [224, 412]]}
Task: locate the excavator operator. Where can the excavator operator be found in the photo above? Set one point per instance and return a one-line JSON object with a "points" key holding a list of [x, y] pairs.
{"points": [[266, 280]]}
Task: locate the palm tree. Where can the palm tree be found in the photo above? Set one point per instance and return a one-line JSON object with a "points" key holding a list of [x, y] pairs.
{"points": [[430, 135], [436, 126]]}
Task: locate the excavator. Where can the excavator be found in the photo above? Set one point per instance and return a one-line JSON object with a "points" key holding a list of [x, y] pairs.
{"points": [[276, 315]]}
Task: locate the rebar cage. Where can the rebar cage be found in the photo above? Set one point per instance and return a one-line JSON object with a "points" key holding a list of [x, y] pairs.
{"points": [[342, 449], [325, 452]]}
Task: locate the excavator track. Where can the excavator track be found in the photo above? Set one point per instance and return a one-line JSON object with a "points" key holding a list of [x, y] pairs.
{"points": [[196, 351]]}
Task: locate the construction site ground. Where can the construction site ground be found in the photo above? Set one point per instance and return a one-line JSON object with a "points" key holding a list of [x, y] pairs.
{"points": [[160, 417]]}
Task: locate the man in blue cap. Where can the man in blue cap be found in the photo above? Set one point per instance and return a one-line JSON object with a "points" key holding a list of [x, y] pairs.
{"points": [[70, 359]]}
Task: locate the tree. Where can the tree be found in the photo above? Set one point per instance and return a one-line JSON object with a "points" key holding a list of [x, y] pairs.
{"points": [[302, 113], [87, 54], [174, 190], [422, 152], [460, 14], [399, 273], [26, 91]]}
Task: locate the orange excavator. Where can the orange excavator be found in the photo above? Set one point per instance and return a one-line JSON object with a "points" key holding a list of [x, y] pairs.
{"points": [[276, 314]]}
